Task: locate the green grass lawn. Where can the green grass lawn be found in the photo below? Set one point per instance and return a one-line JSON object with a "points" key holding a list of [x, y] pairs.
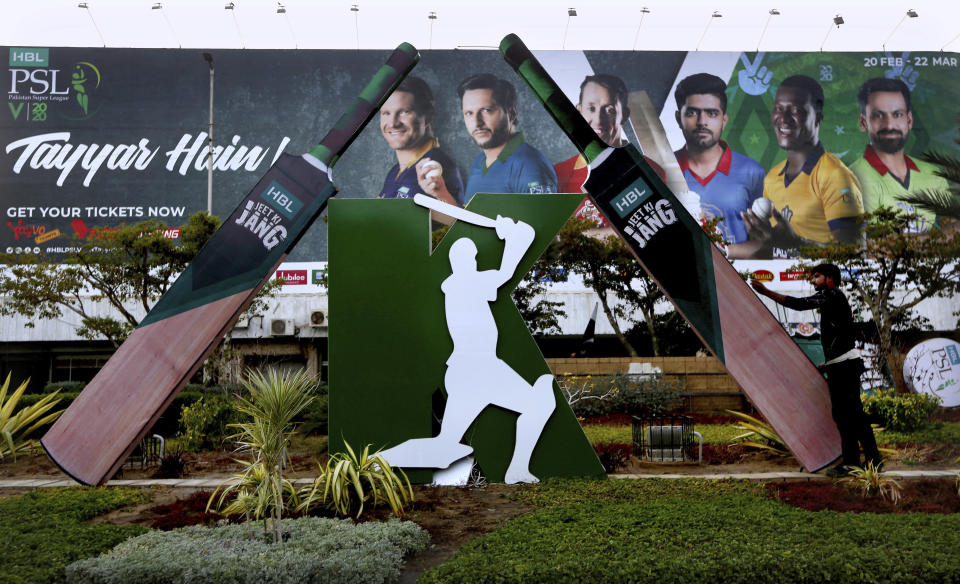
{"points": [[933, 433], [47, 529], [712, 433], [699, 531]]}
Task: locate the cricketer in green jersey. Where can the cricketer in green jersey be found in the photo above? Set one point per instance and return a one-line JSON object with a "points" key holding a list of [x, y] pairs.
{"points": [[885, 172]]}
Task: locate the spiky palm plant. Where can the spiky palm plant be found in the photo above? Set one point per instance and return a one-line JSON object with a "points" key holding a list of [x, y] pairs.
{"points": [[760, 435], [943, 203], [348, 480], [253, 493], [871, 481], [16, 426], [273, 402]]}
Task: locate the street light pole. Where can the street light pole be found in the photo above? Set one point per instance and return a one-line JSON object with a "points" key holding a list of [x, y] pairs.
{"points": [[209, 59]]}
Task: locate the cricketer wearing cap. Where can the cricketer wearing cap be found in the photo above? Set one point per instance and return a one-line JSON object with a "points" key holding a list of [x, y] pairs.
{"points": [[885, 172], [508, 164], [728, 182], [406, 122], [816, 199]]}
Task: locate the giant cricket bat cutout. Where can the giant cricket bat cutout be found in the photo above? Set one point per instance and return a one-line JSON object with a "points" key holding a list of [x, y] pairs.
{"points": [[671, 246], [103, 425]]}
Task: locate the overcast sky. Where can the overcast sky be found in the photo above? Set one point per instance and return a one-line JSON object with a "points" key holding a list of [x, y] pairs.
{"points": [[543, 24]]}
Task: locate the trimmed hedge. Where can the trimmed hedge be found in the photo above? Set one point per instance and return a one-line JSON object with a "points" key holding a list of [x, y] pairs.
{"points": [[696, 531], [47, 529], [314, 550], [28, 399], [64, 387]]}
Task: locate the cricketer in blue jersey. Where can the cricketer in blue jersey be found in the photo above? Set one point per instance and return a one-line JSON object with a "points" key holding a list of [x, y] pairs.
{"points": [[726, 192], [508, 164], [728, 182], [406, 122]]}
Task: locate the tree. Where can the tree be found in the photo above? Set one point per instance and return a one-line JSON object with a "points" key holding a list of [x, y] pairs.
{"points": [[608, 268], [133, 265], [893, 272], [541, 315], [272, 403]]}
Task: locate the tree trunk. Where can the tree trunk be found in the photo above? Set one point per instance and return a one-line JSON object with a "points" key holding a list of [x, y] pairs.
{"points": [[895, 361], [651, 329], [616, 326], [277, 536]]}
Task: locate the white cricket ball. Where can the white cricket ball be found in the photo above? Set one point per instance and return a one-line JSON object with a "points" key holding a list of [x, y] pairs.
{"points": [[433, 169], [762, 208]]}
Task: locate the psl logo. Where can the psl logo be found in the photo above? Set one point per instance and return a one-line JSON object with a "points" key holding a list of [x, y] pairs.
{"points": [[34, 79], [430, 358], [79, 81]]}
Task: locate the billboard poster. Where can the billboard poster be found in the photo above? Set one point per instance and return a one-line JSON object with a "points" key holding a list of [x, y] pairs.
{"points": [[95, 138]]}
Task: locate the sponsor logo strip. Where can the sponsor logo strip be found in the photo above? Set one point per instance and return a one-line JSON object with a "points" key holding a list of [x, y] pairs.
{"points": [[47, 236], [282, 200], [293, 277], [630, 200], [20, 57]]}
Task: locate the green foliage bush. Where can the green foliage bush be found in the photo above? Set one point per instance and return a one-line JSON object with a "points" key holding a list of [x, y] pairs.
{"points": [[613, 456], [698, 531], [902, 412], [204, 423], [169, 423], [220, 388], [47, 529], [28, 399], [634, 396], [313, 550], [64, 386], [313, 420]]}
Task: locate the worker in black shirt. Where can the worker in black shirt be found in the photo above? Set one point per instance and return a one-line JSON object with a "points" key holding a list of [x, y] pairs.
{"points": [[843, 366]]}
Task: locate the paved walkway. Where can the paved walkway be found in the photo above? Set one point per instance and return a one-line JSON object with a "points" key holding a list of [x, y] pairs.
{"points": [[211, 483]]}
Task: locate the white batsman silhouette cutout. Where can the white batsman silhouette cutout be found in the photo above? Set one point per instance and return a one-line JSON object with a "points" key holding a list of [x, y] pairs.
{"points": [[476, 377]]}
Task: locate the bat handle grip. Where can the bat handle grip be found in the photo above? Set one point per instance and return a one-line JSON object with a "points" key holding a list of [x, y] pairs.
{"points": [[348, 127], [518, 56]]}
